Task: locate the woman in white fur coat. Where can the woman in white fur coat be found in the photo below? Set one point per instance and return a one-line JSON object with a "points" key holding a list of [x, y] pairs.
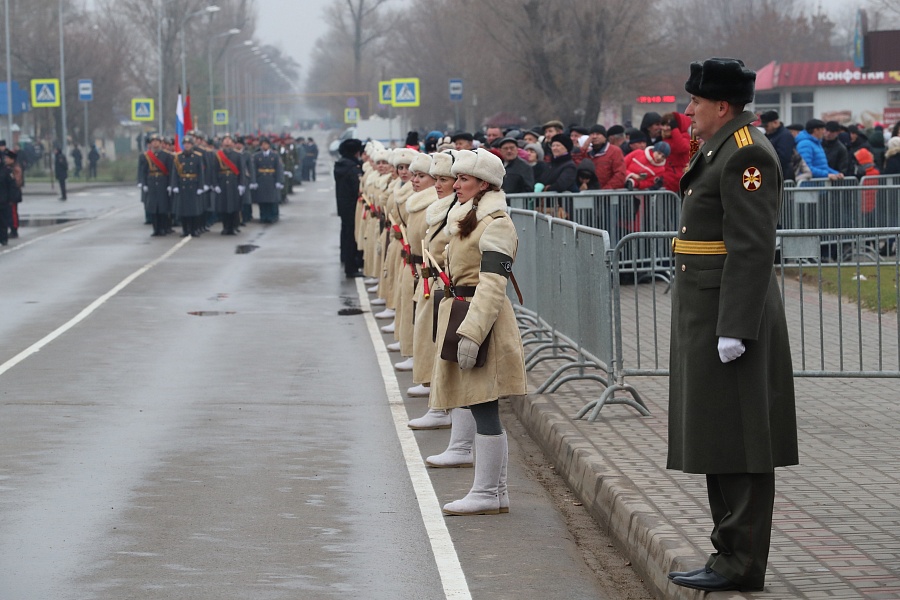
{"points": [[478, 259]]}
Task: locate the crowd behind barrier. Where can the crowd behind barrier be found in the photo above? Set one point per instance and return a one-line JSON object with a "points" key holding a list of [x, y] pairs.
{"points": [[601, 309]]}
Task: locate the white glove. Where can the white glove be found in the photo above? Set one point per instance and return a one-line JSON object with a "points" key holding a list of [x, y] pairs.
{"points": [[730, 349], [140, 185], [201, 191], [278, 186], [466, 353], [254, 186], [241, 190], [205, 188], [169, 189], [175, 190], [217, 189], [146, 189]]}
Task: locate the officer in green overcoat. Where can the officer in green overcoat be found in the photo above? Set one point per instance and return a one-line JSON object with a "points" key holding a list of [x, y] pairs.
{"points": [[731, 390]]}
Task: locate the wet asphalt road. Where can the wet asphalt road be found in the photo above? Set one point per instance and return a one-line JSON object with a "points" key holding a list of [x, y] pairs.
{"points": [[247, 452]]}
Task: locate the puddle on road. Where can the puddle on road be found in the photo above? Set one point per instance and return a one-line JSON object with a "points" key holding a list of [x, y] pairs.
{"points": [[245, 248], [211, 313], [345, 312], [45, 221]]}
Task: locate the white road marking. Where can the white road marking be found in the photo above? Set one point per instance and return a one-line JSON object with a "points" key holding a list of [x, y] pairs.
{"points": [[81, 223], [453, 578], [86, 312]]}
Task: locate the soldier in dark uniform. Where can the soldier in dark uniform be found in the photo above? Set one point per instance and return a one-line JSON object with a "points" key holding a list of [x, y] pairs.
{"points": [[731, 390], [154, 172], [230, 185], [266, 176], [187, 182], [244, 146]]}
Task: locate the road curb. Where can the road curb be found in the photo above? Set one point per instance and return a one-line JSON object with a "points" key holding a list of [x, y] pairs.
{"points": [[638, 530]]}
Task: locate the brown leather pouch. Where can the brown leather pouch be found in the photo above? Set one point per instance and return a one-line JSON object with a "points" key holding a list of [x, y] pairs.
{"points": [[458, 311]]}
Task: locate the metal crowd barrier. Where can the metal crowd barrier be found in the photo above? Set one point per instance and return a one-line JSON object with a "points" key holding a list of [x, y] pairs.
{"points": [[842, 314], [566, 315]]}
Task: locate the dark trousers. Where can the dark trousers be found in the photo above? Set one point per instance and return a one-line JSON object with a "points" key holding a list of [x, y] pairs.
{"points": [[350, 254], [62, 188], [92, 170], [5, 222], [247, 213], [741, 506]]}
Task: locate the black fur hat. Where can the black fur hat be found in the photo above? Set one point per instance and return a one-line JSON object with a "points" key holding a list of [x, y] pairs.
{"points": [[350, 148], [722, 79]]}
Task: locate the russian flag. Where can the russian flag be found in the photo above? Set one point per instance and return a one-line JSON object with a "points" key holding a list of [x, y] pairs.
{"points": [[179, 122]]}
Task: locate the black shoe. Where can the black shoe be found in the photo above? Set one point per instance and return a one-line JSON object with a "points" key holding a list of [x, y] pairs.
{"points": [[156, 234], [14, 233], [710, 581], [185, 234], [353, 274], [675, 574]]}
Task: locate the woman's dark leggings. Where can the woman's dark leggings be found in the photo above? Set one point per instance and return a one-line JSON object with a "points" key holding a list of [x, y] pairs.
{"points": [[487, 418]]}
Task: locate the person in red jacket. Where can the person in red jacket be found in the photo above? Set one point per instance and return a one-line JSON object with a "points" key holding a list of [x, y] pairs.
{"points": [[676, 133], [609, 162], [644, 168]]}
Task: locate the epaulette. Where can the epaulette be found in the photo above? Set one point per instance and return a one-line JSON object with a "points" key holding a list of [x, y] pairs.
{"points": [[742, 137]]}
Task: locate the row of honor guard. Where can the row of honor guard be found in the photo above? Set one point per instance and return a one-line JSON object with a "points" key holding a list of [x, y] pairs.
{"points": [[203, 184]]}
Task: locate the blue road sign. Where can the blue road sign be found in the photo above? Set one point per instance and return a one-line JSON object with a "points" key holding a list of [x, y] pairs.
{"points": [[405, 92], [456, 90], [85, 90]]}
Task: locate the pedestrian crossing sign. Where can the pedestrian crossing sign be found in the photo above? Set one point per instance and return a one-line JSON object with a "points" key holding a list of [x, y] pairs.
{"points": [[142, 109], [405, 92], [385, 93], [220, 117], [45, 93], [351, 115]]}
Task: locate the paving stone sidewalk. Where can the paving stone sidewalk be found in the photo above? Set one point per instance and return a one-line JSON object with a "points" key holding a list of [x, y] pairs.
{"points": [[837, 515]]}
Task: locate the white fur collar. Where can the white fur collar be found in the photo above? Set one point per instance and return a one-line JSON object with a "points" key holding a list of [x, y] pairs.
{"points": [[421, 200], [491, 202], [436, 213], [403, 192]]}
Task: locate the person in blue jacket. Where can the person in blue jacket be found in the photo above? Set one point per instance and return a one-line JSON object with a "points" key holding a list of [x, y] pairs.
{"points": [[809, 145]]}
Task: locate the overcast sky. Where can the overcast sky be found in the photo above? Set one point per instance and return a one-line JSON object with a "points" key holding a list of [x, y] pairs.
{"points": [[295, 26]]}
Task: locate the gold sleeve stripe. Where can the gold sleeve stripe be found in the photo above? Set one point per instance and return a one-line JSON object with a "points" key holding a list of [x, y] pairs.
{"points": [[742, 137]]}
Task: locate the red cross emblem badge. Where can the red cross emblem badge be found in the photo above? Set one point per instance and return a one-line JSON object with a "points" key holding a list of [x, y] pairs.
{"points": [[752, 179]]}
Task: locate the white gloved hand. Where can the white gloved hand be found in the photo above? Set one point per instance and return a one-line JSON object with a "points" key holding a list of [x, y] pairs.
{"points": [[175, 190], [168, 189], [140, 185], [201, 191], [279, 186], [146, 189], [730, 349], [466, 353], [254, 186], [241, 190], [205, 188], [218, 189]]}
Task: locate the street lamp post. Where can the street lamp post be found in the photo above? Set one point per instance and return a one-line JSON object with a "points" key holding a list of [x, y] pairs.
{"points": [[212, 8], [9, 106], [62, 79], [209, 60]]}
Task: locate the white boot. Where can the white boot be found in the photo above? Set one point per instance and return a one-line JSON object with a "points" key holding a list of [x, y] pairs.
{"points": [[502, 490], [417, 391], [390, 327], [406, 365], [433, 419], [459, 451], [370, 281], [373, 289], [378, 302], [482, 499], [387, 313], [394, 347]]}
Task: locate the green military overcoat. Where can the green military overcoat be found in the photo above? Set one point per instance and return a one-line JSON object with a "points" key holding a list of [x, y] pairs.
{"points": [[736, 417]]}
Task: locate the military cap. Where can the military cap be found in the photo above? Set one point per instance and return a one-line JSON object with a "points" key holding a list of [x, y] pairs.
{"points": [[264, 140], [722, 79]]}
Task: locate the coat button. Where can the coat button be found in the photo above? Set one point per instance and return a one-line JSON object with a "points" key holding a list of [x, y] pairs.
{"points": [[690, 191], [709, 153], [684, 267], [684, 230]]}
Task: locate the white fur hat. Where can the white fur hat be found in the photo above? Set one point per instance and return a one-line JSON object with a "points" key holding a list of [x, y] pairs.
{"points": [[421, 163], [402, 156], [382, 155], [441, 163], [481, 164]]}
